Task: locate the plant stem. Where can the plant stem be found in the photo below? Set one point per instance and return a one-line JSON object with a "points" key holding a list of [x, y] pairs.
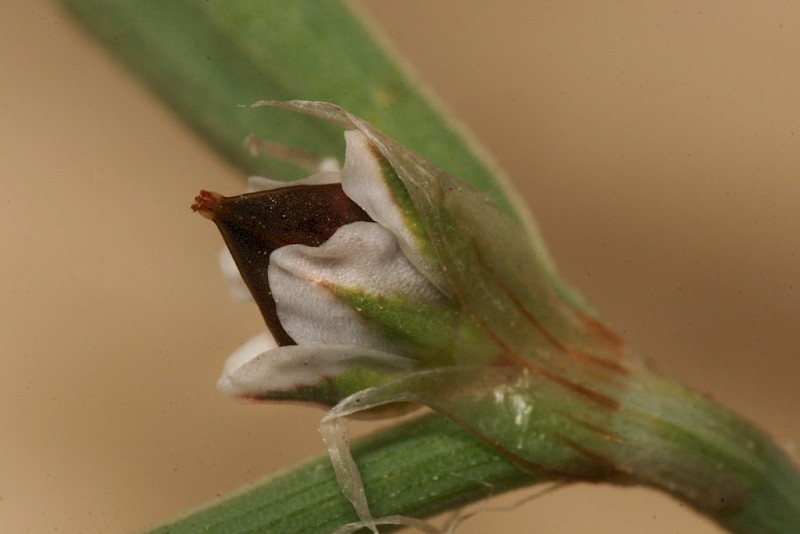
{"points": [[669, 438], [452, 466], [685, 444]]}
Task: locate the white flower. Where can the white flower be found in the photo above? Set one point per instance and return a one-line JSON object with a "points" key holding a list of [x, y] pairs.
{"points": [[353, 298], [391, 282]]}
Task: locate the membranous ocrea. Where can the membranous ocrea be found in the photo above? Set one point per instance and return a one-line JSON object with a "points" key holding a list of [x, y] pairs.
{"points": [[390, 283]]}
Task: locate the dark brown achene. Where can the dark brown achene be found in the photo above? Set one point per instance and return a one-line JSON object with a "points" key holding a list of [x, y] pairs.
{"points": [[253, 225]]}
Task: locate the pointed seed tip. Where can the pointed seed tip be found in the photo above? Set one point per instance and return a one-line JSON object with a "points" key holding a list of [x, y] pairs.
{"points": [[207, 204]]}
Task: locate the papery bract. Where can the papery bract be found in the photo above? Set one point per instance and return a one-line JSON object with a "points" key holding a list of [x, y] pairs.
{"points": [[446, 302]]}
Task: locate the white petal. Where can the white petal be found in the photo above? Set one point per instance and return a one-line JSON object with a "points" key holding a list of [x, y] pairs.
{"points": [[230, 273], [360, 255], [329, 175], [251, 350], [286, 369], [364, 182], [329, 165]]}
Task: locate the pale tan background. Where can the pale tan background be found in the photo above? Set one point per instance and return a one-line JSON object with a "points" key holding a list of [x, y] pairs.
{"points": [[658, 143]]}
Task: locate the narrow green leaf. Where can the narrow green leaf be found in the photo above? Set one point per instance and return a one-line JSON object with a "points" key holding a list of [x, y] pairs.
{"points": [[207, 58], [394, 464]]}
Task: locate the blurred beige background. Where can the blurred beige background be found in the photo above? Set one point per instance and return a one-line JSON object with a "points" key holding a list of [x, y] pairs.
{"points": [[657, 143]]}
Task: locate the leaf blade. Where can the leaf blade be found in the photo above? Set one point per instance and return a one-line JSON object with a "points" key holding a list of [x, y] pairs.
{"points": [[234, 53]]}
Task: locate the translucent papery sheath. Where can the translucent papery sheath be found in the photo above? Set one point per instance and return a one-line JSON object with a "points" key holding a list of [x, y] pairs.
{"points": [[542, 353], [509, 353]]}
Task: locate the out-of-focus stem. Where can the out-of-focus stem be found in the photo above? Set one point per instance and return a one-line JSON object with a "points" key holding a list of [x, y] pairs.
{"points": [[670, 438], [206, 59], [717, 462], [419, 468]]}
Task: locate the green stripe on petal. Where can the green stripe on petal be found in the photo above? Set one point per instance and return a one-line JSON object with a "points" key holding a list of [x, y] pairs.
{"points": [[427, 329], [402, 200], [369, 179], [362, 255]]}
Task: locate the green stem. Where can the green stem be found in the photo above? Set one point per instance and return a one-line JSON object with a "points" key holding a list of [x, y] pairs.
{"points": [[664, 436], [452, 466], [724, 467], [673, 440]]}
